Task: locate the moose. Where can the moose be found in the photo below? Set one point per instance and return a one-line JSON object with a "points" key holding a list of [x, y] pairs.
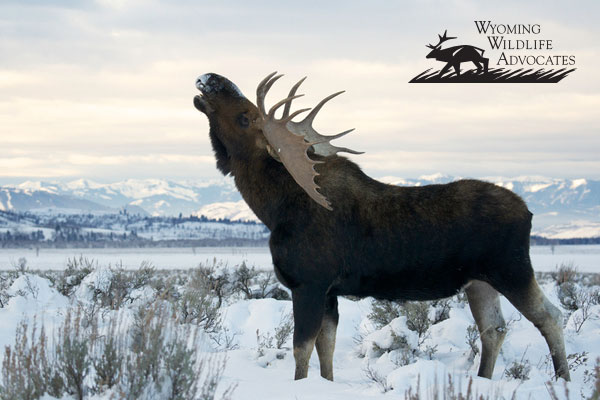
{"points": [[335, 231], [456, 55]]}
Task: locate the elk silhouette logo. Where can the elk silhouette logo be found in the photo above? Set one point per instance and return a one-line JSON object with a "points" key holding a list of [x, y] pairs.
{"points": [[456, 55]]}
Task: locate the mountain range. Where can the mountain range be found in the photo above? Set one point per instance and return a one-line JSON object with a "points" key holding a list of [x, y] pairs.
{"points": [[560, 206]]}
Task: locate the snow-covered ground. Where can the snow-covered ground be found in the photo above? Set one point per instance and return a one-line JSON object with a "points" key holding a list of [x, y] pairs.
{"points": [[267, 374], [258, 378], [585, 257]]}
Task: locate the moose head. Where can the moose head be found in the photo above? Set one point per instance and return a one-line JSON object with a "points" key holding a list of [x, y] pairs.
{"points": [[241, 127]]}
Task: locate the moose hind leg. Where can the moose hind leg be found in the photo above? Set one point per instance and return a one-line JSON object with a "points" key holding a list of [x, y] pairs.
{"points": [[534, 305], [326, 337], [484, 302], [309, 308]]}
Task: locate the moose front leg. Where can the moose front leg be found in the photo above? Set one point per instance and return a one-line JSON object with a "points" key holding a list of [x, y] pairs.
{"points": [[326, 337], [309, 308]]}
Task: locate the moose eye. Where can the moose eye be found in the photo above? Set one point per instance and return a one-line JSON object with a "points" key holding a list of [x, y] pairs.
{"points": [[243, 121]]}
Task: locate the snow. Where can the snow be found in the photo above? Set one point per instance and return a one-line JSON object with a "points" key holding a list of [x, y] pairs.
{"points": [[273, 380], [270, 376], [37, 185], [393, 180], [234, 211], [537, 187], [575, 183], [246, 317], [433, 177], [507, 185], [33, 297]]}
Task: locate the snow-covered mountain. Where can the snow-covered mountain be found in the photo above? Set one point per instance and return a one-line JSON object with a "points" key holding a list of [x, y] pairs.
{"points": [[148, 196], [234, 211], [560, 206]]}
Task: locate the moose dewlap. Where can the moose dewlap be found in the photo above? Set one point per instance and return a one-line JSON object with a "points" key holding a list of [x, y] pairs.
{"points": [[335, 231]]}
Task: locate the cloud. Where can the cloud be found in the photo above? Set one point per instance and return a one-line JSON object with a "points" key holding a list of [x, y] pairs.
{"points": [[106, 87]]}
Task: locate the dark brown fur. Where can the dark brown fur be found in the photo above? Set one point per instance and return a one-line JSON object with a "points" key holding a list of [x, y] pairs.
{"points": [[389, 242]]}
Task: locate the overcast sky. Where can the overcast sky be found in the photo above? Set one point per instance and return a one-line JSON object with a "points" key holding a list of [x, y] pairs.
{"points": [[103, 89]]}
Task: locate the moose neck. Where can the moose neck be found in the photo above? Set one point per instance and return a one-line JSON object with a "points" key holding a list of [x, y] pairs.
{"points": [[267, 187]]}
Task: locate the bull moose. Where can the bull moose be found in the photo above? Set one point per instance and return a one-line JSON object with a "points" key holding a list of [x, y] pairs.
{"points": [[335, 231], [454, 56]]}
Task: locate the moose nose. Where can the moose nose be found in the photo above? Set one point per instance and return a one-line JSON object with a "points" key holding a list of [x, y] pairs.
{"points": [[202, 81], [212, 83]]}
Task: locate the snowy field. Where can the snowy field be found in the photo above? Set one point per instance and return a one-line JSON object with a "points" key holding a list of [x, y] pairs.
{"points": [[369, 362], [585, 257]]}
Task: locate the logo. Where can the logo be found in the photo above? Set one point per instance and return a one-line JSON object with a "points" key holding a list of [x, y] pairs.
{"points": [[524, 58]]}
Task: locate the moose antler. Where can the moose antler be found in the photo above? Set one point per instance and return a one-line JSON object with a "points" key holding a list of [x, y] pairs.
{"points": [[291, 140], [442, 40]]}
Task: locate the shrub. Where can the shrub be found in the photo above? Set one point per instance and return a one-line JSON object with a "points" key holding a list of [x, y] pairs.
{"points": [[212, 279], [153, 358], [403, 353], [565, 273], [118, 284], [284, 331], [448, 391], [383, 312], [243, 278], [143, 361], [441, 310], [583, 300], [379, 379], [180, 363], [77, 269], [518, 370], [6, 280], [71, 353], [420, 315], [198, 303], [472, 339], [596, 374], [20, 266], [567, 295], [282, 334], [417, 317], [109, 360], [24, 368]]}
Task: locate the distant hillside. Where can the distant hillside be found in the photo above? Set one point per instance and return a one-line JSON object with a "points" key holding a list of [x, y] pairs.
{"points": [[19, 229]]}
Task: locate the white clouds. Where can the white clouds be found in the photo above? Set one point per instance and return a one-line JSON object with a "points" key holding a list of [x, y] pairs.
{"points": [[107, 87]]}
